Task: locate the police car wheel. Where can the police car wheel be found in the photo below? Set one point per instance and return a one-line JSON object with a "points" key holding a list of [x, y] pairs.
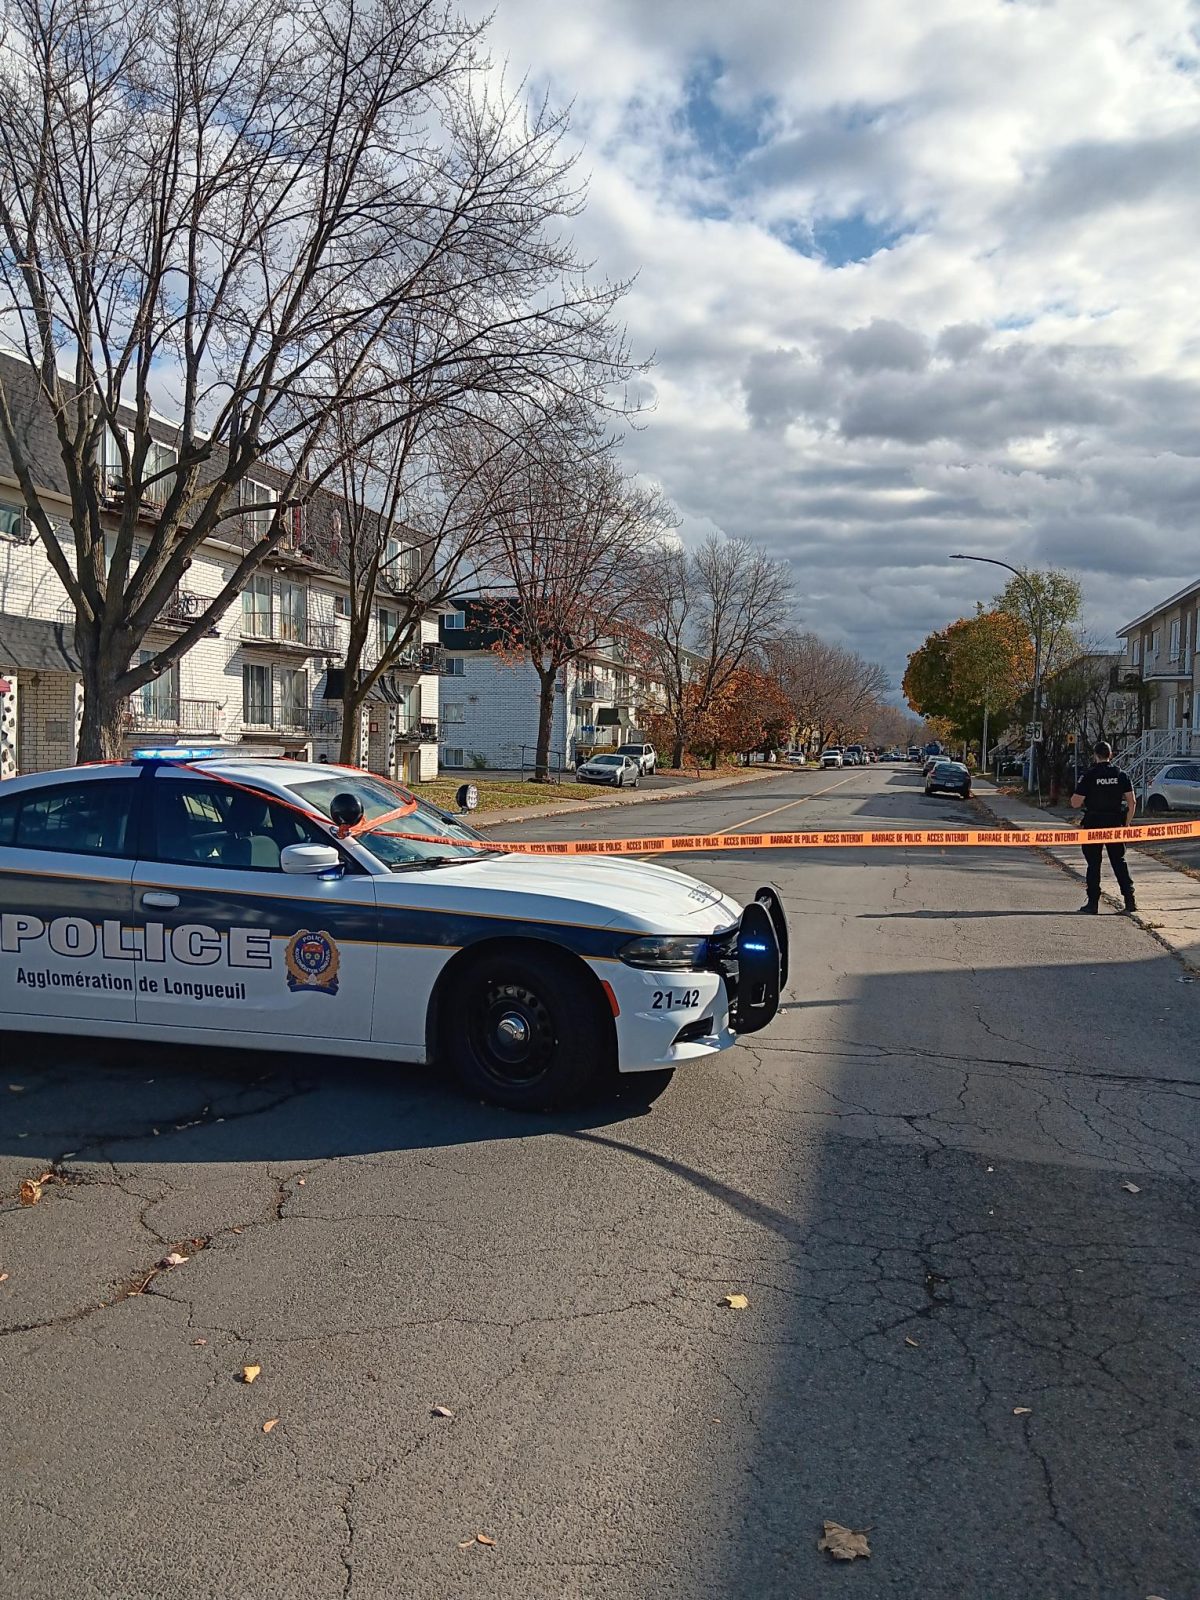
{"points": [[527, 1031]]}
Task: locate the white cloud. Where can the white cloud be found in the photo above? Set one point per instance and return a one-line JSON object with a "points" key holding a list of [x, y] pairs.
{"points": [[917, 276]]}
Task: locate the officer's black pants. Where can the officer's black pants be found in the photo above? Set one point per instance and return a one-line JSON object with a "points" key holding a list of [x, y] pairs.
{"points": [[1093, 854]]}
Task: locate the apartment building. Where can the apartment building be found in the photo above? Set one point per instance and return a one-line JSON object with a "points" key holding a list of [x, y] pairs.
{"points": [[270, 674], [1161, 651], [489, 711]]}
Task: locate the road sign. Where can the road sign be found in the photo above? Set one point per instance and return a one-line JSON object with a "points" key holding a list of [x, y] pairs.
{"points": [[1033, 732]]}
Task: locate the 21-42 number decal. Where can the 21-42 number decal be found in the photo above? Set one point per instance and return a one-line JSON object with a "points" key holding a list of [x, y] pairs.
{"points": [[675, 999]]}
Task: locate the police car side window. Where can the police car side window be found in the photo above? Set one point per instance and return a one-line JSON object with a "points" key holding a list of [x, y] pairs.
{"points": [[220, 825], [83, 819], [8, 818]]}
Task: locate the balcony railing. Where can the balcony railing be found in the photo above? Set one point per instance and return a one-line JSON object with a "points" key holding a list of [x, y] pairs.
{"points": [[418, 731], [173, 715], [1159, 669], [279, 631], [321, 721]]}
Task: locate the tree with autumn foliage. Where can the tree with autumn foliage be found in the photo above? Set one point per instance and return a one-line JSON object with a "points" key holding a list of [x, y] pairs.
{"points": [[749, 712], [978, 663]]}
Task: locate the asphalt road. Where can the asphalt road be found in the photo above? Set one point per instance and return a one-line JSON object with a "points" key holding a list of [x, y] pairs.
{"points": [[964, 1333]]}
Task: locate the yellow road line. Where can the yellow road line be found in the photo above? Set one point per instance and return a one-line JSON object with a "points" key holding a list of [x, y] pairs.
{"points": [[737, 826]]}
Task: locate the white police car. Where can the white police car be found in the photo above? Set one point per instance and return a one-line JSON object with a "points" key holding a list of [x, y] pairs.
{"points": [[198, 898]]}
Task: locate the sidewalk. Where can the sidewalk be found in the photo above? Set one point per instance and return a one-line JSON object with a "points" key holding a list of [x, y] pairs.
{"points": [[1168, 901], [632, 797]]}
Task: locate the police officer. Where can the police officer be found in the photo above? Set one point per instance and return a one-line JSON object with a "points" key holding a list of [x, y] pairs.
{"points": [[1105, 795]]}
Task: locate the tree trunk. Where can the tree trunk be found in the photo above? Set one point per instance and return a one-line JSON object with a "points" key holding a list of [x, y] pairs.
{"points": [[677, 752], [104, 723], [348, 744], [541, 760]]}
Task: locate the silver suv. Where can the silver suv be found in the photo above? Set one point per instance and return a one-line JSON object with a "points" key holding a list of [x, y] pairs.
{"points": [[643, 754]]}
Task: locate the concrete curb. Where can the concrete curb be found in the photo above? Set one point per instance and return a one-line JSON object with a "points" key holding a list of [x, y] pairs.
{"points": [[1168, 900], [491, 819]]}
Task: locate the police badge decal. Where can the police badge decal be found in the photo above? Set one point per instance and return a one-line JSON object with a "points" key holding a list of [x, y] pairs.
{"points": [[312, 963]]}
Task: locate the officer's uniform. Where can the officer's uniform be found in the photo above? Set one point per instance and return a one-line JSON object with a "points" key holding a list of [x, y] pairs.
{"points": [[1104, 788]]}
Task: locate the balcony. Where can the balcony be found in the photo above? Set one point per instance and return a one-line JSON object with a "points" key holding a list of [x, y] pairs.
{"points": [[1157, 669], [172, 715], [306, 636], [422, 731]]}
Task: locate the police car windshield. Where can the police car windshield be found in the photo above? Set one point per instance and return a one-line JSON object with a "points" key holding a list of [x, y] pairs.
{"points": [[377, 799]]}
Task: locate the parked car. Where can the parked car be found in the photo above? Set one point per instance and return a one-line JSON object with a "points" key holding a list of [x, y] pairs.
{"points": [[796, 757], [643, 754], [929, 763], [855, 756], [832, 757], [948, 777], [914, 753], [1175, 787], [620, 771]]}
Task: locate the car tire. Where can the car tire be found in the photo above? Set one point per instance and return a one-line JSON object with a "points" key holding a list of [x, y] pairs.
{"points": [[928, 790], [1157, 804], [568, 1040], [634, 783]]}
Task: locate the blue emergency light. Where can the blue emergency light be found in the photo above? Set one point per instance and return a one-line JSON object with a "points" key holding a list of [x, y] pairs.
{"points": [[178, 752]]}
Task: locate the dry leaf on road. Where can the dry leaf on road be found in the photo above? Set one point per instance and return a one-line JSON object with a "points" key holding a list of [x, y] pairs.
{"points": [[441, 1411], [3, 1277], [269, 1424], [843, 1544], [29, 1193], [199, 1341], [250, 1373], [1131, 1188], [173, 1260], [16, 1088], [465, 1544], [916, 1343], [484, 1538], [1022, 1411], [737, 1302]]}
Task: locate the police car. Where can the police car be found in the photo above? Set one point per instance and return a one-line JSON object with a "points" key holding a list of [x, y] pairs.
{"points": [[192, 897]]}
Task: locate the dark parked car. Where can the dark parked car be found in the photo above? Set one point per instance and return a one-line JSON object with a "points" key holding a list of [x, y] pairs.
{"points": [[948, 777]]}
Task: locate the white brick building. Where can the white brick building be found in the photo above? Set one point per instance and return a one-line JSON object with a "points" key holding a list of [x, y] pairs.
{"points": [[269, 673], [490, 702]]}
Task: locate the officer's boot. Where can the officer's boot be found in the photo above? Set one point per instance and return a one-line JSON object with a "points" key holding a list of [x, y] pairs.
{"points": [[1092, 909]]}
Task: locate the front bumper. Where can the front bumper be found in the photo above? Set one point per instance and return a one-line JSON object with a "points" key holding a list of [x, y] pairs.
{"points": [[667, 1018]]}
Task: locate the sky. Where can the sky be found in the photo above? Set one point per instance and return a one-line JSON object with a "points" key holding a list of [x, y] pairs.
{"points": [[917, 276]]}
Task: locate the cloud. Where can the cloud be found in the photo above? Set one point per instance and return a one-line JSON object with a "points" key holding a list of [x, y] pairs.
{"points": [[911, 271]]}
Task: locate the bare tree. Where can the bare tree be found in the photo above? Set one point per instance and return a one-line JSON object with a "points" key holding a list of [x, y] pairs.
{"points": [[571, 534], [199, 205], [834, 692], [707, 612]]}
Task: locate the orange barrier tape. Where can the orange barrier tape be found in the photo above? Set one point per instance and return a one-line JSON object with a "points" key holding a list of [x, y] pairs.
{"points": [[986, 838]]}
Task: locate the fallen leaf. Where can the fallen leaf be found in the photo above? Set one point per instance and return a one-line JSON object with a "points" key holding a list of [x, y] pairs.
{"points": [[1022, 1411], [1131, 1188], [442, 1411], [30, 1193], [484, 1538], [300, 1182], [3, 1277], [250, 1373], [16, 1088], [737, 1302], [269, 1424], [199, 1341], [173, 1260], [465, 1544], [843, 1544], [916, 1344]]}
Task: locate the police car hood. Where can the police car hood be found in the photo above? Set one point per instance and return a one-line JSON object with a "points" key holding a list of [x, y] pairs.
{"points": [[637, 895]]}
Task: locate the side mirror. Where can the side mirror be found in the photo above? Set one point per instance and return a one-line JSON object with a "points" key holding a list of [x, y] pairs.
{"points": [[310, 858], [466, 797]]}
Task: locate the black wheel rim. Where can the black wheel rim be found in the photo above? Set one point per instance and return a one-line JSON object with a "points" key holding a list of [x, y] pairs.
{"points": [[511, 1032]]}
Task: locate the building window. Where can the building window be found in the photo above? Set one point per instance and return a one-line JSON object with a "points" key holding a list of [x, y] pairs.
{"points": [[341, 605], [256, 696], [293, 612], [386, 624], [454, 711], [293, 697], [12, 521], [1154, 641], [1174, 656], [1136, 655], [454, 666], [452, 756], [256, 607], [257, 498], [1171, 705], [158, 700], [455, 619], [160, 459], [1154, 713]]}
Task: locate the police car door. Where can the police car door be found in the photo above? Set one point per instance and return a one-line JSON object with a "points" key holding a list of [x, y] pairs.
{"points": [[234, 943], [66, 861]]}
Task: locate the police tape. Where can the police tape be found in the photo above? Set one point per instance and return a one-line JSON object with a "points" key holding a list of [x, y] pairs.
{"points": [[940, 838]]}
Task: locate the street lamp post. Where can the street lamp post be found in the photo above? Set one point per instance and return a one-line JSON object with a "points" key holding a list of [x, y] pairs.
{"points": [[1023, 577]]}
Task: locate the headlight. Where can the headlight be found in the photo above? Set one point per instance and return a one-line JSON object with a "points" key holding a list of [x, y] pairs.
{"points": [[666, 952]]}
